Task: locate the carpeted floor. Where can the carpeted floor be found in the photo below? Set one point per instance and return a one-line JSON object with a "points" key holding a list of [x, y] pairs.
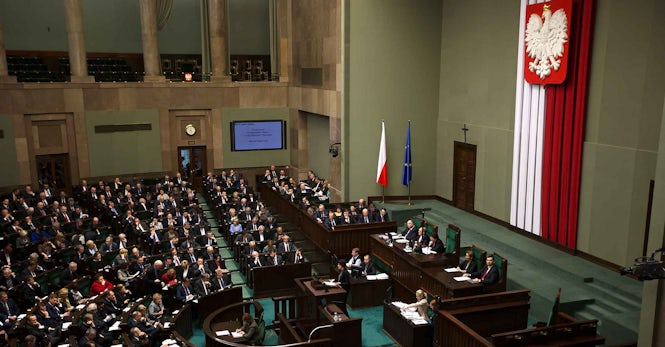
{"points": [[588, 290]]}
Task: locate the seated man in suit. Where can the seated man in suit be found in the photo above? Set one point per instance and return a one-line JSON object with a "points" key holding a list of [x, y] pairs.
{"points": [[185, 292], [286, 245], [422, 240], [435, 244], [9, 311], [203, 286], [382, 216], [367, 268], [331, 222], [274, 259], [69, 275], [487, 275], [469, 264], [365, 217], [410, 233], [220, 281], [297, 257], [255, 261]]}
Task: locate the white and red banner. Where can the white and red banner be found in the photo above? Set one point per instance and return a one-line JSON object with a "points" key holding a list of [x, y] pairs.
{"points": [[546, 37], [549, 122], [382, 166]]}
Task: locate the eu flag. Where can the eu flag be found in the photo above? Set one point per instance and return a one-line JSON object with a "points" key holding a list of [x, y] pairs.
{"points": [[406, 171]]}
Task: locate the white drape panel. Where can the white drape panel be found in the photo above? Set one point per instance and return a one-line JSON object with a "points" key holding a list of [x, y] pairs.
{"points": [[528, 143]]}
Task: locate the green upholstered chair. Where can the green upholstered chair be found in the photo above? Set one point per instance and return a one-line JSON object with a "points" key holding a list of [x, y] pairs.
{"points": [[453, 239], [501, 264]]}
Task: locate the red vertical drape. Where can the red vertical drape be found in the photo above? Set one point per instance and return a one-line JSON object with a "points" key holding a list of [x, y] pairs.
{"points": [[564, 134]]}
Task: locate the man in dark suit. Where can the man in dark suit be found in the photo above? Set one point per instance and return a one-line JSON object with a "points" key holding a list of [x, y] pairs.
{"points": [[286, 245], [220, 281], [274, 258], [410, 233], [70, 275], [9, 311], [184, 292], [367, 268], [365, 217], [489, 274], [331, 222], [382, 216], [203, 286]]}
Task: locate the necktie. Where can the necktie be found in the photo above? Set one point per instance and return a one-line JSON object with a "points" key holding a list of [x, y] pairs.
{"points": [[7, 309], [221, 283], [186, 291], [332, 222], [366, 220], [286, 247], [205, 288], [485, 274]]}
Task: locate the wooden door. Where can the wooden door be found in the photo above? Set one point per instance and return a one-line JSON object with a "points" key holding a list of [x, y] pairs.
{"points": [[192, 165], [53, 169], [464, 175]]}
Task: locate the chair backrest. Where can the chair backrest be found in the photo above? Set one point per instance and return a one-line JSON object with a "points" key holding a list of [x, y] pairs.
{"points": [[262, 331], [453, 239], [501, 264], [479, 255]]}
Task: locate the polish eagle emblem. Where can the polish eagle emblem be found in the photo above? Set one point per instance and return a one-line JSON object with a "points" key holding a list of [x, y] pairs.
{"points": [[546, 42]]}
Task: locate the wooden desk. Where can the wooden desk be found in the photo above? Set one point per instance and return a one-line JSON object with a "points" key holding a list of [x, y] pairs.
{"points": [[278, 280], [309, 299], [231, 326], [345, 332], [338, 241], [366, 293], [211, 302], [411, 272], [403, 330]]}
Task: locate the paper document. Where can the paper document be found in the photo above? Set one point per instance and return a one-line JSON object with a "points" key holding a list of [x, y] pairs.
{"points": [[461, 278], [223, 333], [399, 304], [419, 321], [452, 269], [236, 335]]}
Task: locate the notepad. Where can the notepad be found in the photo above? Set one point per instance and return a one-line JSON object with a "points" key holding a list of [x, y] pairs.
{"points": [[223, 333], [451, 269], [236, 335], [461, 278], [419, 321]]}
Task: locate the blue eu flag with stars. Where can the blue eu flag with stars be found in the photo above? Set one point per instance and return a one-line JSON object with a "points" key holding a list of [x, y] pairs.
{"points": [[406, 171]]}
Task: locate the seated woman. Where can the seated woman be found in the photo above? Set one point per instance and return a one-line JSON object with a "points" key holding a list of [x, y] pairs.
{"points": [[469, 264], [435, 244], [122, 257], [170, 277], [99, 285], [236, 227], [156, 307], [97, 264], [420, 305], [249, 329]]}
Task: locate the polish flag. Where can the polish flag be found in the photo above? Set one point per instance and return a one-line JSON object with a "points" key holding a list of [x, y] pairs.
{"points": [[382, 167]]}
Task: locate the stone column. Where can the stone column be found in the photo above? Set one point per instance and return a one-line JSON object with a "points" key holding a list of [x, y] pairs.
{"points": [[151, 60], [4, 73], [218, 53], [77, 55], [284, 26]]}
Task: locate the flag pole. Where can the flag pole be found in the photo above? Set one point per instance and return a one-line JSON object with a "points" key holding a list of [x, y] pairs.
{"points": [[383, 194], [410, 171]]}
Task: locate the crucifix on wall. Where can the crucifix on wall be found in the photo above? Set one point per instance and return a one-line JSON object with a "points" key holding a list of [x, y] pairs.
{"points": [[465, 129]]}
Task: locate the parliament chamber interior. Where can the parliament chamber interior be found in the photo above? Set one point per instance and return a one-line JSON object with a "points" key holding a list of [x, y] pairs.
{"points": [[202, 173]]}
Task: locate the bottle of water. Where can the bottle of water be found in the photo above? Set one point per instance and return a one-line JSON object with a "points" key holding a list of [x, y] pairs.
{"points": [[335, 317]]}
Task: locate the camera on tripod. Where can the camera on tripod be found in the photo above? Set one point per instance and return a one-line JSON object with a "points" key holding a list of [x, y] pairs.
{"points": [[647, 268]]}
